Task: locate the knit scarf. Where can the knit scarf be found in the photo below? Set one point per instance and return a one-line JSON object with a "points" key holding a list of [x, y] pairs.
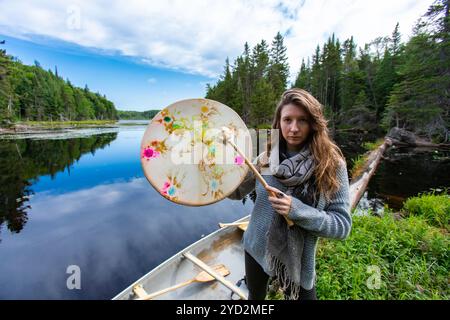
{"points": [[285, 244]]}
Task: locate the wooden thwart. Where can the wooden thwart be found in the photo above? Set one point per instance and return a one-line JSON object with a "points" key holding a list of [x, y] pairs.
{"points": [[201, 277], [220, 278], [240, 225]]}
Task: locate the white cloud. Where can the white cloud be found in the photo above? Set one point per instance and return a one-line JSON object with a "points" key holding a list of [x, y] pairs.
{"points": [[151, 80], [197, 36]]}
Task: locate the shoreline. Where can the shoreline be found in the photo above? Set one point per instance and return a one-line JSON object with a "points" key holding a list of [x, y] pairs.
{"points": [[29, 127]]}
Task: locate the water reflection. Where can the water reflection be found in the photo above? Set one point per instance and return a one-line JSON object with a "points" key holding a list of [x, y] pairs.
{"points": [[351, 144], [98, 213], [114, 232], [24, 161], [405, 172]]}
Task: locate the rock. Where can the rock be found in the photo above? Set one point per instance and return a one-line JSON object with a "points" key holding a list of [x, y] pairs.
{"points": [[402, 135]]}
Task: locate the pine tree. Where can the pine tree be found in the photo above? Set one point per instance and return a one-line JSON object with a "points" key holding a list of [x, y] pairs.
{"points": [[360, 115], [68, 102], [5, 87], [333, 66], [420, 101], [352, 79], [244, 85], [262, 99], [395, 47], [262, 102], [260, 61], [279, 67], [316, 76], [303, 80], [369, 67]]}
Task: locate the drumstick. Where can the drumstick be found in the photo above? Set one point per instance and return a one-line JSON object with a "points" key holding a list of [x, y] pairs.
{"points": [[257, 174]]}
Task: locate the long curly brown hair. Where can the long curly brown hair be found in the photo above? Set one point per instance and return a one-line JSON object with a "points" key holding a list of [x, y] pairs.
{"points": [[326, 153]]}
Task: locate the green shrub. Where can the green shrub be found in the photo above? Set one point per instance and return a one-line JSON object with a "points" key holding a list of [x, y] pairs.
{"points": [[435, 209], [411, 256], [369, 146], [264, 126]]}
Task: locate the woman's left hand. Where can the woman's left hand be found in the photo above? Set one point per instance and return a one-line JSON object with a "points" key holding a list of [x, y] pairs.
{"points": [[281, 203]]}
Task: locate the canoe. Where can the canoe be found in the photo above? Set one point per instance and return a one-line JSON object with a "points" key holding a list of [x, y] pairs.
{"points": [[222, 247]]}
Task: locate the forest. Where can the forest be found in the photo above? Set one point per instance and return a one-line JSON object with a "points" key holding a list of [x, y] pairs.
{"points": [[383, 84], [30, 93], [137, 115], [386, 83]]}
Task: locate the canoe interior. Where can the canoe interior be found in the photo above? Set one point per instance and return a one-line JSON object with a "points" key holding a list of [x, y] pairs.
{"points": [[220, 247]]}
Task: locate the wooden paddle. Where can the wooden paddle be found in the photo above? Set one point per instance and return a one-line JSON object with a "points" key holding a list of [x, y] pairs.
{"points": [[258, 176], [201, 277]]}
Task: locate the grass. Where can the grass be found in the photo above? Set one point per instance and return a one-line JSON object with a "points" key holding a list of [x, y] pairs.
{"points": [[435, 209], [410, 255], [387, 259], [358, 165], [360, 161], [369, 146]]}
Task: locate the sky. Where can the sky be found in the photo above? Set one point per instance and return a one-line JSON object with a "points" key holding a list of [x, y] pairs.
{"points": [[148, 54]]}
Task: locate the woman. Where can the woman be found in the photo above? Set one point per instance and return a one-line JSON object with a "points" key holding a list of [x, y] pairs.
{"points": [[307, 172]]}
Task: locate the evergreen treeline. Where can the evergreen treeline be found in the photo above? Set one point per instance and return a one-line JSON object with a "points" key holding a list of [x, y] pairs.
{"points": [[387, 83], [31, 93], [137, 115], [252, 85]]}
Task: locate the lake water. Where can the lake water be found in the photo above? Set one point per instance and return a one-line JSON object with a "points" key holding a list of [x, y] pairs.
{"points": [[402, 173], [406, 172], [85, 202], [79, 198]]}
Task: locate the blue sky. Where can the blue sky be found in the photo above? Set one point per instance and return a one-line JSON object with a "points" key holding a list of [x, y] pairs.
{"points": [[130, 84], [148, 54]]}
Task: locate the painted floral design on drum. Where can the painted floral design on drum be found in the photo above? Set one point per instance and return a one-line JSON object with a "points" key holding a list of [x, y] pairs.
{"points": [[154, 149], [169, 121], [238, 160], [207, 112], [171, 187], [212, 178], [149, 153]]}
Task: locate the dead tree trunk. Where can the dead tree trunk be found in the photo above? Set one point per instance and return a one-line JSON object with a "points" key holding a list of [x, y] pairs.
{"points": [[358, 187]]}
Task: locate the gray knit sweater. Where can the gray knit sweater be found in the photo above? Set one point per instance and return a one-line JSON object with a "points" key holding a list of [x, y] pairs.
{"points": [[330, 219]]}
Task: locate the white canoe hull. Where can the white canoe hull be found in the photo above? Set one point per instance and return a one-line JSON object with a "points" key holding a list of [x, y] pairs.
{"points": [[220, 247]]}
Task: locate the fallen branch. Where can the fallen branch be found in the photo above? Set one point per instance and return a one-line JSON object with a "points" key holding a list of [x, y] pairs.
{"points": [[358, 186]]}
